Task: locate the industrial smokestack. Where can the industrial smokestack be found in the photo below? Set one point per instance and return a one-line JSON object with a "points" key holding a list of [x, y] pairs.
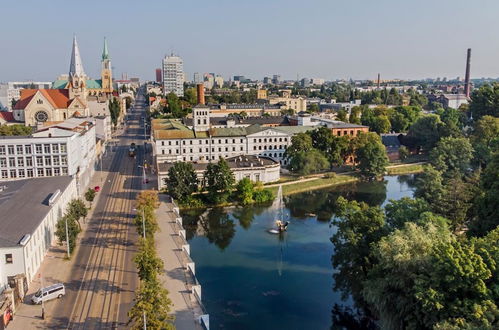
{"points": [[379, 80], [467, 85], [200, 90]]}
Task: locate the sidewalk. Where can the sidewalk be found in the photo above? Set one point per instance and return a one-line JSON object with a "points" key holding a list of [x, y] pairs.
{"points": [[55, 268], [175, 278]]}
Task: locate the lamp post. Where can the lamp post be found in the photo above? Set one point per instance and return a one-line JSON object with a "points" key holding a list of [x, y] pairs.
{"points": [[41, 290], [67, 236]]}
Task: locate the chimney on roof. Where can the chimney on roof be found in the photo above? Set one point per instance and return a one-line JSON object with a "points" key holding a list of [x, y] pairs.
{"points": [[467, 85], [200, 90]]}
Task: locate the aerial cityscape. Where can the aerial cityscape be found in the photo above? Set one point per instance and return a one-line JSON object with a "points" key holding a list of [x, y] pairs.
{"points": [[249, 165]]}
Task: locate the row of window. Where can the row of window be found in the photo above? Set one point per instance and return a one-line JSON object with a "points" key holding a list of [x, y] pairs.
{"points": [[213, 149], [225, 141], [53, 148], [30, 173], [39, 161]]}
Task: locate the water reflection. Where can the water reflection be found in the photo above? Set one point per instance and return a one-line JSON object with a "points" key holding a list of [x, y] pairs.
{"points": [[254, 280]]}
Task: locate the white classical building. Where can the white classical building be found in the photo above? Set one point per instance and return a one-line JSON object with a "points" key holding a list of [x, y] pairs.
{"points": [[173, 141], [173, 75], [60, 149], [255, 168], [30, 210]]}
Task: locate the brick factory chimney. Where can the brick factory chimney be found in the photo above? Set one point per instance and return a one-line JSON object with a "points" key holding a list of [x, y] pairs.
{"points": [[467, 85], [200, 92], [378, 80]]}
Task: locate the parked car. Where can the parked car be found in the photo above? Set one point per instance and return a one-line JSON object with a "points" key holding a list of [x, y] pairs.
{"points": [[97, 188], [51, 292]]}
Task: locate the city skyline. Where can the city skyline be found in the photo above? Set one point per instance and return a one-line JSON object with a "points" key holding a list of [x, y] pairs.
{"points": [[324, 39]]}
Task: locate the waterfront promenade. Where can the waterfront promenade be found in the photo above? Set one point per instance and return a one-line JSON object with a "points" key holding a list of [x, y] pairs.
{"points": [[177, 277]]}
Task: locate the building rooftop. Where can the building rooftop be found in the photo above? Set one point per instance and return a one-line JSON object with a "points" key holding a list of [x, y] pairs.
{"points": [[237, 162], [24, 204], [219, 121]]}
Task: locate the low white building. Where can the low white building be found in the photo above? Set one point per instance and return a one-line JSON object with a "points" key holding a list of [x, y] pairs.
{"points": [[61, 149], [257, 169], [30, 210]]}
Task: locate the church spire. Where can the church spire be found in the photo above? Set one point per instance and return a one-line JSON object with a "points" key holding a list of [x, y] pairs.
{"points": [[105, 52], [76, 67]]}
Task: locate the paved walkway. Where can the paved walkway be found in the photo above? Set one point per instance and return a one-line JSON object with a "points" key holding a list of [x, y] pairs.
{"points": [[175, 278], [55, 268]]}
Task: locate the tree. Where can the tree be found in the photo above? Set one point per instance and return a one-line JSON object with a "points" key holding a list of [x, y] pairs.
{"points": [[182, 181], [300, 142], [402, 117], [15, 130], [485, 139], [429, 185], [77, 209], [114, 110], [426, 131], [399, 212], [452, 155], [342, 115], [90, 195], [358, 226], [73, 229], [485, 101], [355, 114], [403, 153], [219, 181], [147, 261], [191, 96], [313, 108], [244, 191], [370, 153], [152, 299]]}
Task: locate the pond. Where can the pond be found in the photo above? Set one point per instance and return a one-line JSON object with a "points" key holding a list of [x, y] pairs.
{"points": [[254, 280]]}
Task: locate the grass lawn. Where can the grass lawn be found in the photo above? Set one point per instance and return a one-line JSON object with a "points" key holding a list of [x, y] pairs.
{"points": [[313, 184], [405, 169]]}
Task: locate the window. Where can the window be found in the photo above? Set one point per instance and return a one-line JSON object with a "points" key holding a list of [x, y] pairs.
{"points": [[190, 142], [64, 171], [20, 161], [38, 148], [55, 148], [4, 174], [57, 171], [64, 160], [190, 150], [242, 148], [13, 174], [48, 161], [207, 149], [29, 172], [8, 258], [3, 162], [2, 150], [162, 151], [27, 148], [46, 148], [19, 150], [63, 148], [162, 143], [39, 172], [55, 160], [39, 161], [49, 171], [242, 141], [29, 162], [170, 151], [21, 173], [169, 143], [11, 150], [12, 162]]}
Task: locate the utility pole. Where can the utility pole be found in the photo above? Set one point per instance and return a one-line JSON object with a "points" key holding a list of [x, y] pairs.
{"points": [[67, 235], [41, 290]]}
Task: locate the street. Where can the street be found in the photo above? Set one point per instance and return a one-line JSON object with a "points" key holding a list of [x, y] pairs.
{"points": [[103, 277]]}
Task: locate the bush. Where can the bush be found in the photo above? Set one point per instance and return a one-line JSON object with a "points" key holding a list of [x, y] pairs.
{"points": [[403, 153], [90, 195], [263, 196], [330, 175], [192, 202]]}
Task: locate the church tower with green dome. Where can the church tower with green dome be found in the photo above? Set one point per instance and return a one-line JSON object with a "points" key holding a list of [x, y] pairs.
{"points": [[106, 73]]}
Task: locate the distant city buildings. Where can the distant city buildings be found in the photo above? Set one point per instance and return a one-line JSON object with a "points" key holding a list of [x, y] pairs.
{"points": [[12, 91], [173, 75], [159, 77], [197, 78]]}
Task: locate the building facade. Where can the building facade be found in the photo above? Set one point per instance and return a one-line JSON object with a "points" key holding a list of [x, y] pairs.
{"points": [[173, 75], [62, 149], [30, 210], [255, 168]]}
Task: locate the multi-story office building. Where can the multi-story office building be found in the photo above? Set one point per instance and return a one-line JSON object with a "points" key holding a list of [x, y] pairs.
{"points": [[66, 148], [173, 75]]}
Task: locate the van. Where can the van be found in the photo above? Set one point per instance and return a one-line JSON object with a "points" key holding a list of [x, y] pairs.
{"points": [[49, 293]]}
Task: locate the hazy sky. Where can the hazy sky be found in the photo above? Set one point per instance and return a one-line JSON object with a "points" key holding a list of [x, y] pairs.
{"points": [[328, 39]]}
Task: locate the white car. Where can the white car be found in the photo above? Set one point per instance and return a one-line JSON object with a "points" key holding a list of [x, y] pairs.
{"points": [[51, 292]]}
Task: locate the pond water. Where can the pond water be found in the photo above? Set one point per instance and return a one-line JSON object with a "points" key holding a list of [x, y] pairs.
{"points": [[255, 280]]}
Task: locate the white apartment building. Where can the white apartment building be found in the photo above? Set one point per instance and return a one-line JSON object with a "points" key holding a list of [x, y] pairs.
{"points": [[173, 75], [30, 210], [66, 148], [174, 141]]}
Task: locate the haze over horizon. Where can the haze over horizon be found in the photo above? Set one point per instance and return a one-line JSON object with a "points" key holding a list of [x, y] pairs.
{"points": [[314, 39]]}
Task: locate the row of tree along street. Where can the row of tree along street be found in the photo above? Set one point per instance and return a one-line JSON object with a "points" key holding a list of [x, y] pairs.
{"points": [[430, 262], [218, 184], [152, 305]]}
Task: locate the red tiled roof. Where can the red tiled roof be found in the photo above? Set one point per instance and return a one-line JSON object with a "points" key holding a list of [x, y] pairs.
{"points": [[7, 116], [59, 98]]}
